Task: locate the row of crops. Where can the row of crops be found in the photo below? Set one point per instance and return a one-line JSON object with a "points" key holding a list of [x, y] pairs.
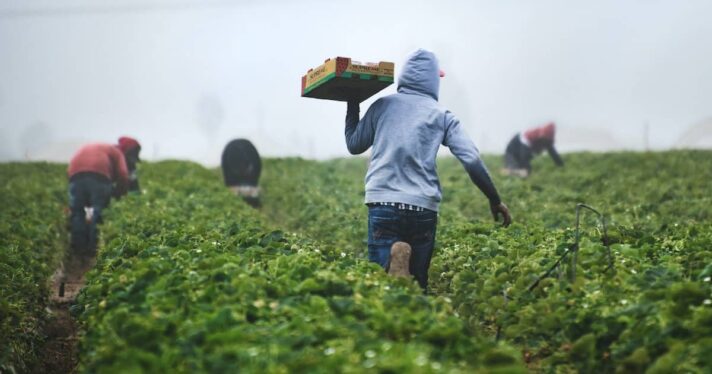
{"points": [[652, 311], [32, 241], [190, 279]]}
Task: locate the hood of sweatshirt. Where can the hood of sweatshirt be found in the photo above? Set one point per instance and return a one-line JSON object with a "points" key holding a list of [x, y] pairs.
{"points": [[421, 74]]}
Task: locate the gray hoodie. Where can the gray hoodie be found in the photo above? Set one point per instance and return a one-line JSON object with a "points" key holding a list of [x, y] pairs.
{"points": [[406, 129]]}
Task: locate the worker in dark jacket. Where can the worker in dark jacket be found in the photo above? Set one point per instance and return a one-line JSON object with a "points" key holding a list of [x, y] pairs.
{"points": [[525, 145], [241, 167], [405, 131], [95, 173]]}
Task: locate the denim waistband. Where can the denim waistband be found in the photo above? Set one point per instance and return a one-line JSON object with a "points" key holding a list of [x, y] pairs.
{"points": [[89, 175]]}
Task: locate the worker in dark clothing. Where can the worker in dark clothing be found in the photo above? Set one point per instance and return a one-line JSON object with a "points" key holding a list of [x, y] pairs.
{"points": [[95, 173], [241, 167], [525, 145], [131, 149]]}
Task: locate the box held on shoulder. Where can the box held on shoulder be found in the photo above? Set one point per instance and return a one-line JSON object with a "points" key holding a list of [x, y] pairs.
{"points": [[343, 79]]}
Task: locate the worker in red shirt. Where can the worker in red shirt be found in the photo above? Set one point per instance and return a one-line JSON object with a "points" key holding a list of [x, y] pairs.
{"points": [[95, 173], [525, 145]]}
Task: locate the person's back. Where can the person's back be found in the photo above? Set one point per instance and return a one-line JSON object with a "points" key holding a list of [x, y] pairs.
{"points": [[92, 172], [522, 148], [402, 168], [540, 138], [241, 163], [241, 167], [402, 187], [97, 158], [406, 130]]}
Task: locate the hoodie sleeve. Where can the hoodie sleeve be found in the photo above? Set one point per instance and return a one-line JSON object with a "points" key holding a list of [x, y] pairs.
{"points": [[465, 150], [359, 134]]}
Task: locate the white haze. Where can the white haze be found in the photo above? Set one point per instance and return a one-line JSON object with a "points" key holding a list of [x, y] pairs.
{"points": [[185, 77]]}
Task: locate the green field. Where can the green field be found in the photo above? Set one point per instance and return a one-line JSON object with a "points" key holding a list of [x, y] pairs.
{"points": [[32, 241], [190, 279], [651, 312]]}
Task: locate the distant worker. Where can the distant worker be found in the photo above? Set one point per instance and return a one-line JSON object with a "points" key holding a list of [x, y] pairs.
{"points": [[405, 131], [131, 149], [525, 145], [241, 167], [95, 173]]}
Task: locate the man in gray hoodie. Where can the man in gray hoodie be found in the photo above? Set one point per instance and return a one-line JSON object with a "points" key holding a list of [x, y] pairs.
{"points": [[403, 193]]}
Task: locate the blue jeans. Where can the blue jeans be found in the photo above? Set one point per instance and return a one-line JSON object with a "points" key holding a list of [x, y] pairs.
{"points": [[387, 225], [87, 190]]}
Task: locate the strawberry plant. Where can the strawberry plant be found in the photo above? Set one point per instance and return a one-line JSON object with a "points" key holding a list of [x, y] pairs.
{"points": [[189, 279], [32, 240], [651, 312]]}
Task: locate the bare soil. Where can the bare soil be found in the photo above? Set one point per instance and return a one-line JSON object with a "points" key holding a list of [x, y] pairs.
{"points": [[60, 351]]}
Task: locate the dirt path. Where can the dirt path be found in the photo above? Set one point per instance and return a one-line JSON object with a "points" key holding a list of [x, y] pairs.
{"points": [[60, 350], [59, 354]]}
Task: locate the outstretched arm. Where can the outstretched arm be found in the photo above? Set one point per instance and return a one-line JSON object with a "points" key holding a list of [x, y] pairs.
{"points": [[555, 155], [465, 150]]}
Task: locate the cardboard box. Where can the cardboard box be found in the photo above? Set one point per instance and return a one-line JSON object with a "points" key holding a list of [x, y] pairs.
{"points": [[342, 79]]}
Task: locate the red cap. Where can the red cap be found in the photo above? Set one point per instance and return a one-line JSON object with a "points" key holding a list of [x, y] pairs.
{"points": [[126, 144], [442, 73], [544, 132], [548, 130]]}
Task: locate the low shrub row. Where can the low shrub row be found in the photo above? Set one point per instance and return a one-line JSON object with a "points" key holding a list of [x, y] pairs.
{"points": [[190, 280]]}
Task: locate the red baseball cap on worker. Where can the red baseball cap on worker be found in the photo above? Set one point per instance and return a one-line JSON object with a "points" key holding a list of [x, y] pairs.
{"points": [[126, 144], [548, 130]]}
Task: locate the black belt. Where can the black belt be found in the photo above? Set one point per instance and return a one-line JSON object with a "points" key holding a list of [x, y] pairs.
{"points": [[400, 206]]}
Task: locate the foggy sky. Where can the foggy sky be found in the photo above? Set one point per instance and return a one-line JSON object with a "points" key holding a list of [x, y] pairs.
{"points": [[185, 77]]}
